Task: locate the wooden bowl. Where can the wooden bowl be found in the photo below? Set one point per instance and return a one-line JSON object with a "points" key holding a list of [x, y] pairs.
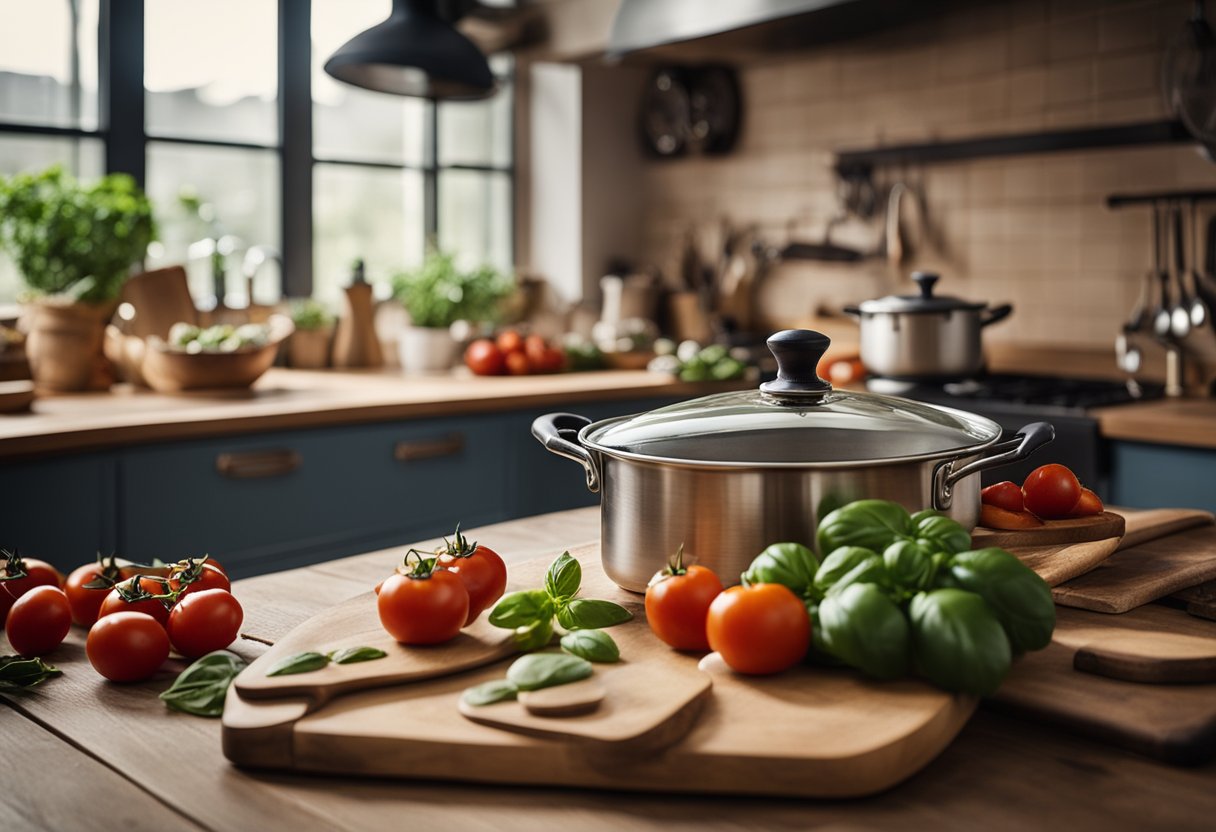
{"points": [[171, 371], [633, 360]]}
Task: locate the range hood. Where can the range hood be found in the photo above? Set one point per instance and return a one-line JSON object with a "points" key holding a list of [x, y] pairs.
{"points": [[642, 25]]}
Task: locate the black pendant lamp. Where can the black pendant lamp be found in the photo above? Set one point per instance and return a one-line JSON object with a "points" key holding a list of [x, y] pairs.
{"points": [[415, 52]]}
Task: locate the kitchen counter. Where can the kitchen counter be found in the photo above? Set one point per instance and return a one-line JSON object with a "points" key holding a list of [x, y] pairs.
{"points": [[286, 399], [101, 756], [1189, 422]]}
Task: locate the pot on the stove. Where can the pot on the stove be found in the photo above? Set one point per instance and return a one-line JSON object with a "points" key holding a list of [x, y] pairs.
{"points": [[924, 336], [728, 474]]}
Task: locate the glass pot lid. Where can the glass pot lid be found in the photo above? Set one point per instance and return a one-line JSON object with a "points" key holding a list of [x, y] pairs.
{"points": [[797, 420], [926, 301]]}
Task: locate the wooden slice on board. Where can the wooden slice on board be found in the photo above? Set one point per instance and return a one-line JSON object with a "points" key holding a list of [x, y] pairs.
{"points": [[1152, 644], [564, 700], [16, 396], [1053, 532]]}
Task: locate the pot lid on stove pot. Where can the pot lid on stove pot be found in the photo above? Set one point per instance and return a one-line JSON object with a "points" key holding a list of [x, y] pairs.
{"points": [[926, 301]]}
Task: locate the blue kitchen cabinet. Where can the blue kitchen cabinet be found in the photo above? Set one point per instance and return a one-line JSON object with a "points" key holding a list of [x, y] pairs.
{"points": [[59, 510], [267, 502], [1162, 476]]}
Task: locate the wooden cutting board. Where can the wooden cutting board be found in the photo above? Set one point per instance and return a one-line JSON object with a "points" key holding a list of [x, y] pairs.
{"points": [[811, 732], [1171, 722], [1054, 532], [1152, 644]]}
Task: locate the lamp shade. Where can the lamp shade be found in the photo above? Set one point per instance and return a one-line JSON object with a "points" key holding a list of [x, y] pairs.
{"points": [[416, 53]]}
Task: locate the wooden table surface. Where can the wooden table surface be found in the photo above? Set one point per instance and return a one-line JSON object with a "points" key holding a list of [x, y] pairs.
{"points": [[1165, 421], [82, 753]]}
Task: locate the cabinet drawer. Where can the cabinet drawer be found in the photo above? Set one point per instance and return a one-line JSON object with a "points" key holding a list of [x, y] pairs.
{"points": [[267, 501]]}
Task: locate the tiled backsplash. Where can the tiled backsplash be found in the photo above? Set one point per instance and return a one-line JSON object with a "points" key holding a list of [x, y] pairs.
{"points": [[1033, 230]]}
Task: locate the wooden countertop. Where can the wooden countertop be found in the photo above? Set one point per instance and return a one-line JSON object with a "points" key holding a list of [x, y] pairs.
{"points": [[1165, 421], [287, 399], [129, 759]]}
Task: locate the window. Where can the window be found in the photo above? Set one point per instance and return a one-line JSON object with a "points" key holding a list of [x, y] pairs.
{"points": [[379, 174]]}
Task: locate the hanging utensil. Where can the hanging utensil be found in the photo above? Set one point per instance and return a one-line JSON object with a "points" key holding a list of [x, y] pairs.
{"points": [[1127, 350], [1161, 314], [1180, 315], [1199, 311], [1188, 76]]}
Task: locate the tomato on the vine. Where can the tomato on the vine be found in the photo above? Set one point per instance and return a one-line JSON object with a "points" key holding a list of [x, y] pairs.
{"points": [[677, 603], [480, 569], [88, 585], [759, 629], [427, 605], [127, 646], [138, 594], [196, 575], [39, 621], [19, 575], [204, 621]]}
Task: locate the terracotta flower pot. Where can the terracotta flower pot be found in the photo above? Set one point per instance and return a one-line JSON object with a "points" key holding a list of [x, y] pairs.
{"points": [[308, 349], [64, 345]]}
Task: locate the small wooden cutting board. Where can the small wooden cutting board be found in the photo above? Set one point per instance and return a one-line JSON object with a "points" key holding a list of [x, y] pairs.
{"points": [[1053, 532], [1151, 644]]}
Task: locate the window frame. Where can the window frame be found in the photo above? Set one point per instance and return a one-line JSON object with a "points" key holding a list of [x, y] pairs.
{"points": [[122, 130]]}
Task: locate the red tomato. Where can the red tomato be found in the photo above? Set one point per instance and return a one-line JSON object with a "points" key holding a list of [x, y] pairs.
{"points": [[39, 621], [37, 573], [759, 629], [86, 603], [153, 607], [517, 364], [481, 570], [423, 610], [484, 358], [555, 360], [509, 342], [1089, 504], [535, 348], [127, 646], [677, 605], [994, 517], [1051, 491], [198, 576], [1004, 495], [204, 621]]}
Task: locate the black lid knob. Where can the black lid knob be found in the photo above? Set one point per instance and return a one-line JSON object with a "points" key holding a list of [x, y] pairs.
{"points": [[798, 352], [926, 281]]}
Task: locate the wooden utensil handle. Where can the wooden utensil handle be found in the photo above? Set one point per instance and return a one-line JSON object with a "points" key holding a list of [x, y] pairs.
{"points": [[275, 462], [411, 450], [1135, 668]]}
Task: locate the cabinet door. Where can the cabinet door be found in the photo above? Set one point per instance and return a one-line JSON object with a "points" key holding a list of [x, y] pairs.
{"points": [[273, 501], [1162, 476], [59, 510]]}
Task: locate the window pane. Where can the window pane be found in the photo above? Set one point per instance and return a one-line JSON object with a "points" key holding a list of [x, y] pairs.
{"points": [[238, 191], [352, 123], [48, 68], [477, 132], [475, 216], [367, 213], [28, 154], [211, 69]]}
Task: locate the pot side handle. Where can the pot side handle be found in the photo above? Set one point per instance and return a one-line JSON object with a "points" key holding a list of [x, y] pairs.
{"points": [[995, 313], [558, 432], [1027, 440]]}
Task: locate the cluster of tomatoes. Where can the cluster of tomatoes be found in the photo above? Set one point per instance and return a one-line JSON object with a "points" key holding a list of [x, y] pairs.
{"points": [[430, 600], [512, 354], [134, 614], [1050, 492], [758, 629]]}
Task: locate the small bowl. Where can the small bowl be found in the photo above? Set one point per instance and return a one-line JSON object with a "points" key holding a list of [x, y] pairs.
{"points": [[169, 370]]}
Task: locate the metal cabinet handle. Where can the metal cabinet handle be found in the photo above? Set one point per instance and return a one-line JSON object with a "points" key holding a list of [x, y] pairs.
{"points": [[416, 449], [258, 464]]}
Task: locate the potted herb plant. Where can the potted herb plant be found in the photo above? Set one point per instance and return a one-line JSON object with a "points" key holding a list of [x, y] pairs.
{"points": [[74, 245], [436, 295], [309, 345]]}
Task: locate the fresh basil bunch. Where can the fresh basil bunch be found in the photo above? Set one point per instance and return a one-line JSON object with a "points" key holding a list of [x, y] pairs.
{"points": [[531, 613]]}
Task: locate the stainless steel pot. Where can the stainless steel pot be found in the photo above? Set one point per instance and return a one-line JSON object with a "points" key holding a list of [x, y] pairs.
{"points": [[925, 336], [728, 474]]}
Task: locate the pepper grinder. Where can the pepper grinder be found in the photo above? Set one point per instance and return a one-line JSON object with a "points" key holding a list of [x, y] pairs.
{"points": [[356, 343]]}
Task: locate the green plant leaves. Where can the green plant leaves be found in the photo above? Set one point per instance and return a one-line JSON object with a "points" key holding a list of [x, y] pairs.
{"points": [[592, 645], [352, 655], [591, 614], [17, 672], [545, 670], [564, 577], [536, 635], [438, 293], [200, 689], [487, 693], [299, 663], [519, 609]]}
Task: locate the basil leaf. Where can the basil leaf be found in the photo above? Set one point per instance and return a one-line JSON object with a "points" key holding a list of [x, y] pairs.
{"points": [[200, 689], [521, 608], [564, 577], [350, 655], [591, 614], [545, 670], [18, 672], [534, 636], [592, 645], [299, 663], [487, 693]]}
